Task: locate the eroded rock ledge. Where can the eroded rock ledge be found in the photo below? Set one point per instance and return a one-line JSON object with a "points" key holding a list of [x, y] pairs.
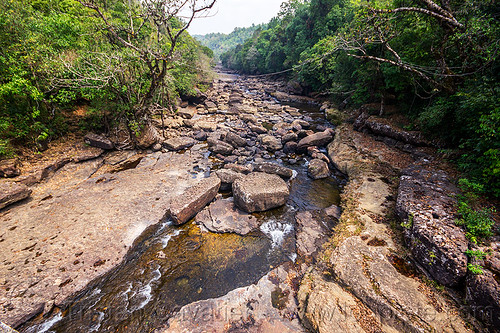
{"points": [[364, 274]]}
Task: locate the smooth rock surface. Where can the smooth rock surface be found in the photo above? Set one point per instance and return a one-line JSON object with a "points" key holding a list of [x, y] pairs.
{"points": [[78, 217], [194, 198], [258, 191]]}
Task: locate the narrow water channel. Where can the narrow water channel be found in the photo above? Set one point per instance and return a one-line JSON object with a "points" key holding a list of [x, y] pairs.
{"points": [[169, 267]]}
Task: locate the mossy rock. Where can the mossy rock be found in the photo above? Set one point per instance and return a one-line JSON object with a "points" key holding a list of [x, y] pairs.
{"points": [[335, 116]]}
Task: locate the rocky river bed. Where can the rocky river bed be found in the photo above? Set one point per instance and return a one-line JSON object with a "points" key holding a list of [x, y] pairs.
{"points": [[231, 221]]}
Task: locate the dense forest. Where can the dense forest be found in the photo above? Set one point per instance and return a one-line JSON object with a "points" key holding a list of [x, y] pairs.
{"points": [[121, 60], [436, 60], [220, 43]]}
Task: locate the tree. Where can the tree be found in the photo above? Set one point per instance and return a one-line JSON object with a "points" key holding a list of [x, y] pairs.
{"points": [[159, 52]]}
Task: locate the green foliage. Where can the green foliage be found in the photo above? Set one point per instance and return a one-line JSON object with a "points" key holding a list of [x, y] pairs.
{"points": [[477, 222], [219, 43], [451, 92], [55, 53], [409, 223], [475, 269], [476, 254]]}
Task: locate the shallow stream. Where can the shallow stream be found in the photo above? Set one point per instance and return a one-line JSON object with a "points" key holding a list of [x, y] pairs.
{"points": [[169, 267]]}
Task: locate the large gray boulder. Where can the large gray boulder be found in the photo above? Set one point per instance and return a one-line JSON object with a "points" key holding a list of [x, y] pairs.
{"points": [[179, 143], [317, 139], [194, 198], [258, 191], [425, 204], [11, 192], [223, 216]]}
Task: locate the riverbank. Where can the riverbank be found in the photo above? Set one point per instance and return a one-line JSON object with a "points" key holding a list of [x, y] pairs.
{"points": [[337, 269]]}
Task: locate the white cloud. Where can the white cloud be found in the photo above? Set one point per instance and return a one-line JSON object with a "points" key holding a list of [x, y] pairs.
{"points": [[229, 14]]}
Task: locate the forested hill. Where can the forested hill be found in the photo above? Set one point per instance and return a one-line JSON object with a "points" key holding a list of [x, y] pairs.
{"points": [[220, 43], [437, 61]]}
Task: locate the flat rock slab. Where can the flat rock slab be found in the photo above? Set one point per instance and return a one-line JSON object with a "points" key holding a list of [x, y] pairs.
{"points": [[223, 216], [258, 191], [426, 205], [11, 192], [179, 143], [311, 234], [265, 307], [78, 226], [188, 204]]}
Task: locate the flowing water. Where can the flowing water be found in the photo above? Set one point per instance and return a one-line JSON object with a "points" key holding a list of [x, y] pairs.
{"points": [[169, 267]]}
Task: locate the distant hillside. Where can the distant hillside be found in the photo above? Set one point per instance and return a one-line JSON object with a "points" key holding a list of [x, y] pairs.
{"points": [[220, 43]]}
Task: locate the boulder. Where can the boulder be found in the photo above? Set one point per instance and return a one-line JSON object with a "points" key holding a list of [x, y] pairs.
{"points": [[318, 169], [6, 329], [187, 113], [235, 140], [148, 137], [383, 127], [260, 191], [271, 143], [207, 126], [333, 211], [200, 135], [245, 169], [220, 147], [9, 168], [227, 178], [290, 147], [11, 192], [289, 137], [317, 139], [483, 293], [426, 203], [98, 141], [179, 143], [188, 204], [223, 216], [273, 168], [257, 129], [335, 116]]}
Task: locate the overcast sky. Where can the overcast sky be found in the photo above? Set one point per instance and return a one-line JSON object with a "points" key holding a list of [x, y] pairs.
{"points": [[229, 14]]}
